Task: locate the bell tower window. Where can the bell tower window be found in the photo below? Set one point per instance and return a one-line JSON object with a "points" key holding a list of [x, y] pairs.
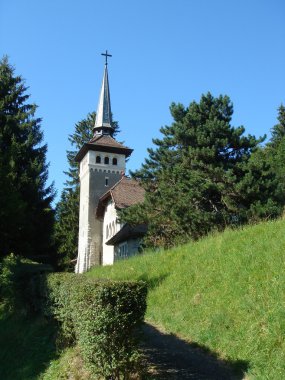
{"points": [[98, 160], [115, 161], [106, 160]]}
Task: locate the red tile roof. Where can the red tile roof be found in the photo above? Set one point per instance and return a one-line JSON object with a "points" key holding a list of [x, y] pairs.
{"points": [[106, 140], [103, 143], [125, 193]]}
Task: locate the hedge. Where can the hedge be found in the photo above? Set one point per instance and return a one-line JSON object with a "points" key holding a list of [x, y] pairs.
{"points": [[15, 275], [101, 316]]}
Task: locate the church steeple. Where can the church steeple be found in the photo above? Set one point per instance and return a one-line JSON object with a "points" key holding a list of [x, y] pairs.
{"points": [[103, 122], [102, 160]]}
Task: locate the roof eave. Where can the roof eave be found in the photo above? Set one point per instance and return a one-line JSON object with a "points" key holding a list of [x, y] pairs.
{"points": [[130, 233], [101, 148]]}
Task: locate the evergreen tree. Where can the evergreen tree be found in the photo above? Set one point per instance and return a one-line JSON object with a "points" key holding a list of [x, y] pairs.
{"points": [[67, 209], [278, 131], [66, 228], [200, 176], [275, 151], [26, 215]]}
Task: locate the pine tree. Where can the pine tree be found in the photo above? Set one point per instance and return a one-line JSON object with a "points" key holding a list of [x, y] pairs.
{"points": [[67, 209], [66, 228], [26, 215], [278, 131], [275, 151], [199, 176]]}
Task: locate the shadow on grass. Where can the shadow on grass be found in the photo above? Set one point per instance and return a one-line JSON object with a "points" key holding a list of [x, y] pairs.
{"points": [[27, 347], [172, 358], [153, 282]]}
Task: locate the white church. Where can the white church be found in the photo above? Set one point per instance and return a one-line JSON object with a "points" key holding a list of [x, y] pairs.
{"points": [[104, 190]]}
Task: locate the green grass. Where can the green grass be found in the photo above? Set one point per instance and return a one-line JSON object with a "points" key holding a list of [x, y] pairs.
{"points": [[67, 366], [27, 346], [28, 351], [225, 292]]}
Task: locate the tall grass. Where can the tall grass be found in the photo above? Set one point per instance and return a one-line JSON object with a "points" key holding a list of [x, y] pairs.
{"points": [[225, 292]]}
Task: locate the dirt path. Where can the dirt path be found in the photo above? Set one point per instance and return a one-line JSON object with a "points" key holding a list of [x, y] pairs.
{"points": [[172, 358]]}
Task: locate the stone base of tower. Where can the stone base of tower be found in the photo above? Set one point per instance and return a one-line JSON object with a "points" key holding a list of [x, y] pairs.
{"points": [[90, 247]]}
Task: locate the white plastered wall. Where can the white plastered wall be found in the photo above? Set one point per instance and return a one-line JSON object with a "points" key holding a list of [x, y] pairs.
{"points": [[84, 229], [110, 228]]}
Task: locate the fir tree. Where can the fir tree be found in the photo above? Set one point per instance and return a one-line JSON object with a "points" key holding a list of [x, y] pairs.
{"points": [[278, 131], [275, 151], [26, 215], [67, 209], [199, 176], [66, 228]]}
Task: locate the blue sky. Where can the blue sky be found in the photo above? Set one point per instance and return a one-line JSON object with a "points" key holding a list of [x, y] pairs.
{"points": [[163, 51]]}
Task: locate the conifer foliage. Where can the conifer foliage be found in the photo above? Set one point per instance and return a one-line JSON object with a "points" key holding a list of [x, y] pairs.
{"points": [[275, 150], [278, 131], [202, 175], [26, 215], [67, 209]]}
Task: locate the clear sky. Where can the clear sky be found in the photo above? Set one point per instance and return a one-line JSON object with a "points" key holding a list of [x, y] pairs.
{"points": [[163, 51]]}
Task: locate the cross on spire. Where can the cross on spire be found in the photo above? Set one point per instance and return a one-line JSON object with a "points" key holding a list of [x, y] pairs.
{"points": [[103, 122], [106, 57]]}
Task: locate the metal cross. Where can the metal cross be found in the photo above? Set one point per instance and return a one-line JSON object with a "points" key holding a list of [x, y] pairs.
{"points": [[106, 56]]}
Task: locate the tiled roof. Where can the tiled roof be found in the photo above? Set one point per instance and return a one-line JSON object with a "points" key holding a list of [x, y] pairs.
{"points": [[125, 193], [106, 140], [103, 143]]}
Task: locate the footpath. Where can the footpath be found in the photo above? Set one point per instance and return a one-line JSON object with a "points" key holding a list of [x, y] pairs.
{"points": [[172, 358]]}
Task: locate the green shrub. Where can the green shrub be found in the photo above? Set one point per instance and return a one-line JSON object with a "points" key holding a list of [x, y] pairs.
{"points": [[15, 275], [7, 283], [102, 316]]}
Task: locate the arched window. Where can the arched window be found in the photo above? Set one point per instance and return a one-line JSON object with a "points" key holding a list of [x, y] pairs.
{"points": [[98, 160], [106, 160], [113, 228], [107, 232], [115, 161]]}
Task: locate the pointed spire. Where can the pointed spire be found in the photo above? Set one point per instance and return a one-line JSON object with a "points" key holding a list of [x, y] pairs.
{"points": [[103, 122]]}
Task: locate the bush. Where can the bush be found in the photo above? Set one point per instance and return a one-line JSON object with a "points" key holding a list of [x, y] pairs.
{"points": [[7, 285], [15, 275], [101, 316]]}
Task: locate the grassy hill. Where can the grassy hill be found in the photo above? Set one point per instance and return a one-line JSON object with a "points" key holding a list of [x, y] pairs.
{"points": [[225, 292]]}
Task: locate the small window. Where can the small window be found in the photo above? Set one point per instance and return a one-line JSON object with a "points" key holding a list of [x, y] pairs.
{"points": [[107, 232], [106, 181], [106, 160], [98, 160], [115, 161], [123, 250]]}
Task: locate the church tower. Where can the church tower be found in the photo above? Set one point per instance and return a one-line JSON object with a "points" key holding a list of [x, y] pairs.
{"points": [[102, 163]]}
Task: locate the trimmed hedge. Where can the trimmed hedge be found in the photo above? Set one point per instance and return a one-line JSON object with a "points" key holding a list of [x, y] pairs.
{"points": [[15, 275], [101, 316]]}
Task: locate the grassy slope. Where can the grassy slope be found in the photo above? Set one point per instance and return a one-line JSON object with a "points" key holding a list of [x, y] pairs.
{"points": [[226, 292], [28, 351], [27, 346]]}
